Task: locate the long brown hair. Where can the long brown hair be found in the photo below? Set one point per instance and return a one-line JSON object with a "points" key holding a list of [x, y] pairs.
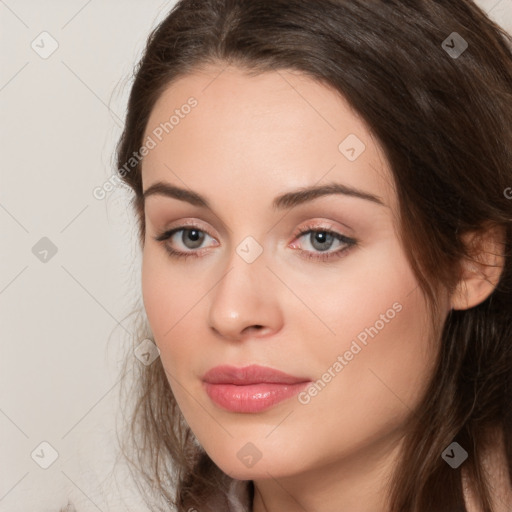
{"points": [[444, 121]]}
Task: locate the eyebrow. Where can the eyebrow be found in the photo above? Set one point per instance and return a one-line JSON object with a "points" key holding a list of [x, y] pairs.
{"points": [[284, 201]]}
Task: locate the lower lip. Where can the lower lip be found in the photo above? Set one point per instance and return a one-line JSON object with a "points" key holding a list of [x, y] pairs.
{"points": [[253, 397]]}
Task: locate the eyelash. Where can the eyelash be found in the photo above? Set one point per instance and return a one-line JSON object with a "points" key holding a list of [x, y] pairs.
{"points": [[309, 255]]}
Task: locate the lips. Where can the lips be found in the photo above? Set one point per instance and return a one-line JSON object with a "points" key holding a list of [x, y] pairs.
{"points": [[250, 389]]}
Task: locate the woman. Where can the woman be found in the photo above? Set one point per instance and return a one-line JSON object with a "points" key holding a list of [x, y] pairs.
{"points": [[323, 191]]}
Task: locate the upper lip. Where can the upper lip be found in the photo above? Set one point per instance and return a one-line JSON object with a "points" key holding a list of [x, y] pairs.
{"points": [[253, 374]]}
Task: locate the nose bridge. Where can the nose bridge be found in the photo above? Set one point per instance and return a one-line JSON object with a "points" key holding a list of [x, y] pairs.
{"points": [[245, 295]]}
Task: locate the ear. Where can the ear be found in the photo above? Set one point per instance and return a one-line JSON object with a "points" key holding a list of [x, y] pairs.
{"points": [[481, 273]]}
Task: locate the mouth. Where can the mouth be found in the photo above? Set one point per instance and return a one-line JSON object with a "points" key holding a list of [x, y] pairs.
{"points": [[250, 389]]}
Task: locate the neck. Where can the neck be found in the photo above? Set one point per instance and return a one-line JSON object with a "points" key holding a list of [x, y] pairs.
{"points": [[356, 483]]}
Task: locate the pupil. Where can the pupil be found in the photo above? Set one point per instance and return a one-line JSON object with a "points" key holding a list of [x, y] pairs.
{"points": [[192, 238], [321, 237]]}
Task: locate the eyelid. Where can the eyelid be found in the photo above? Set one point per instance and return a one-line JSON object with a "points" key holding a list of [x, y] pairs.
{"points": [[326, 226], [325, 256], [314, 227], [178, 226]]}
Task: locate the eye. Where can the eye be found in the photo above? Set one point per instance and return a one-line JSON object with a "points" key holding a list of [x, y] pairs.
{"points": [[191, 238], [320, 238]]}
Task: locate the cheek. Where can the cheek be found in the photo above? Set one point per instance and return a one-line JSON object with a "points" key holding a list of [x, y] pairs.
{"points": [[352, 297], [162, 294], [386, 364], [153, 286], [382, 333], [172, 301]]}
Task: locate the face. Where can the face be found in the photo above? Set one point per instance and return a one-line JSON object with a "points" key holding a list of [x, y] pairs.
{"points": [[313, 285]]}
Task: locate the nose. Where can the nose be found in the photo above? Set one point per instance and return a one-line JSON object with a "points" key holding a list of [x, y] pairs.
{"points": [[245, 302]]}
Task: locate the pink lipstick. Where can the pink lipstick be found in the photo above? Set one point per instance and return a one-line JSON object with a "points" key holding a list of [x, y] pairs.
{"points": [[250, 389]]}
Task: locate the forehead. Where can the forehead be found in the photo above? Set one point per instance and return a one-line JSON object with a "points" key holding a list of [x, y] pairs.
{"points": [[264, 133]]}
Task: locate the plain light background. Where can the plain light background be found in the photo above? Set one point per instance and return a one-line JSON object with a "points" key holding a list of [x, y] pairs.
{"points": [[62, 327]]}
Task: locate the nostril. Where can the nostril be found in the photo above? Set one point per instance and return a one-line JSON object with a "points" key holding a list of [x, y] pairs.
{"points": [[255, 327]]}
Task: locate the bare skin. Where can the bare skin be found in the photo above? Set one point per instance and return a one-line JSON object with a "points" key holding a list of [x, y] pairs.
{"points": [[249, 140]]}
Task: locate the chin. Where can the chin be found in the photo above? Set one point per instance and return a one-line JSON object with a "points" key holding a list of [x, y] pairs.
{"points": [[244, 464]]}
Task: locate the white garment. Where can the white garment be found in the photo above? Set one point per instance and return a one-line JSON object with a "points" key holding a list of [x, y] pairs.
{"points": [[238, 496], [237, 499]]}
